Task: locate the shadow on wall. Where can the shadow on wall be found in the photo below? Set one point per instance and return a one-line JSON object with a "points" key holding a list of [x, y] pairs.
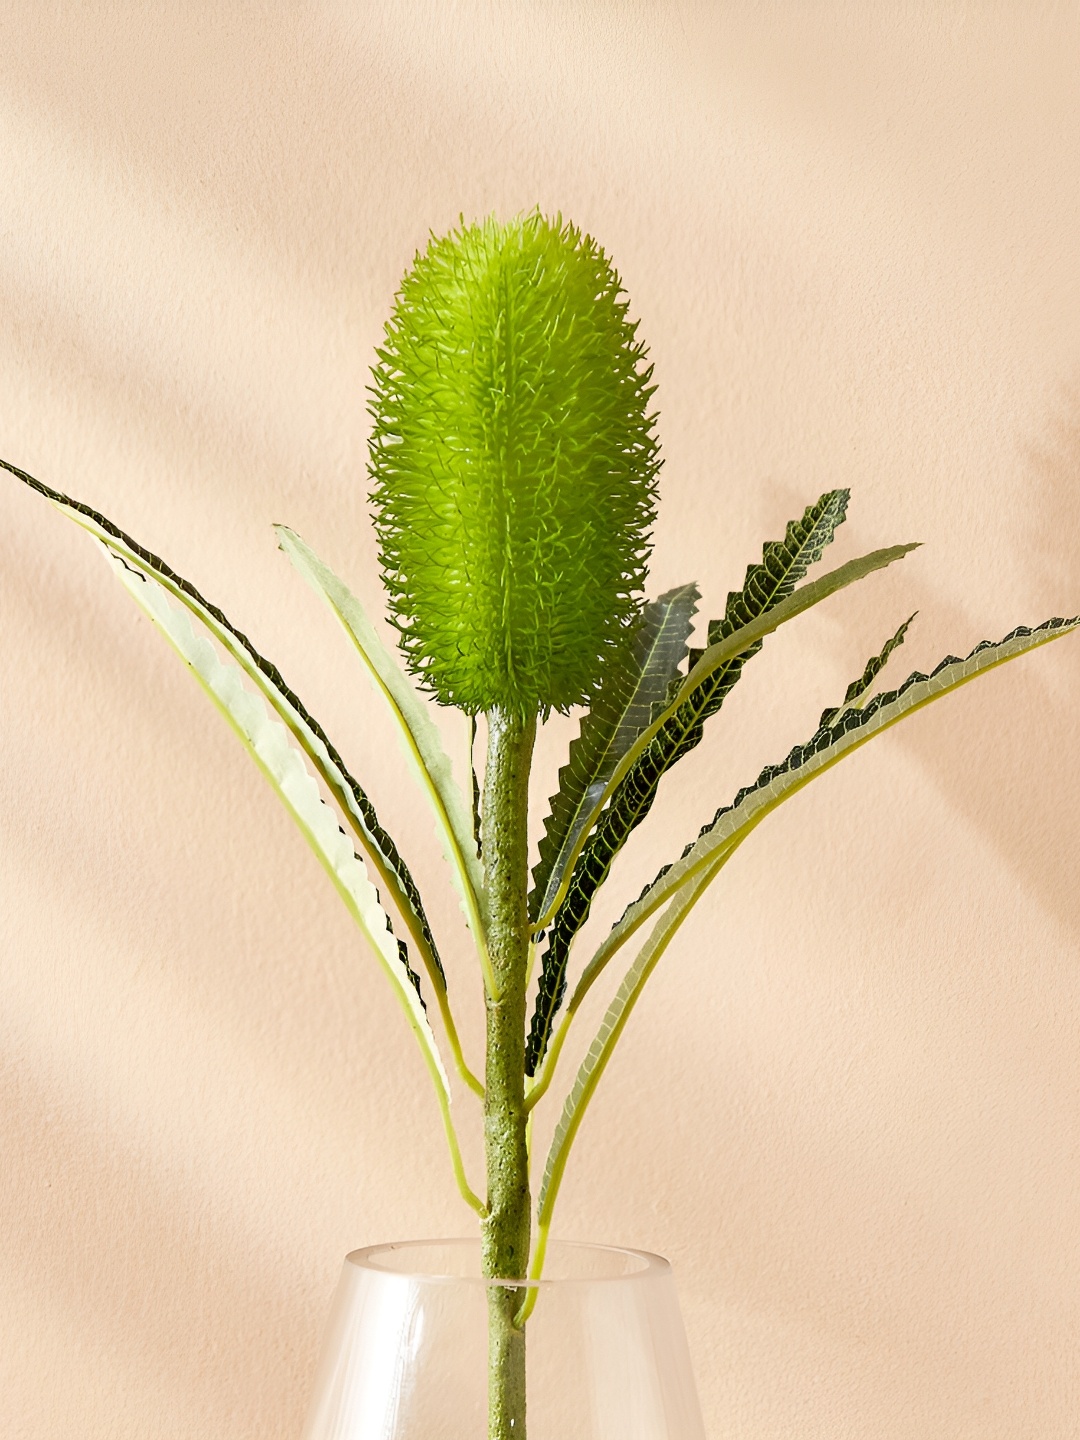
{"points": [[1053, 464], [203, 1291], [195, 380], [215, 262], [1009, 763]]}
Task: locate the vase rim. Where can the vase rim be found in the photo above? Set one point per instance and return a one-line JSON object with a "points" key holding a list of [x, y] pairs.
{"points": [[638, 1264]]}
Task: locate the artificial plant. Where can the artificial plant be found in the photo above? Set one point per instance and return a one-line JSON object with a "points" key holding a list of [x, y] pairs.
{"points": [[514, 461]]}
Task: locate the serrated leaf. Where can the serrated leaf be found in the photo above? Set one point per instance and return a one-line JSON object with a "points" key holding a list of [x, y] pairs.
{"points": [[714, 671], [851, 729], [680, 886], [766, 600], [635, 684], [267, 741], [599, 1053], [419, 737], [874, 666], [393, 873]]}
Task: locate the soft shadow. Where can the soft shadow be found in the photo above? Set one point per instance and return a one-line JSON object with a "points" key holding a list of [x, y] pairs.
{"points": [[1003, 750], [207, 1306]]}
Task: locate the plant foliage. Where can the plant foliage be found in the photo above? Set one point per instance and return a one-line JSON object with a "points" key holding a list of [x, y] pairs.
{"points": [[419, 737], [607, 1037], [842, 730], [268, 743], [678, 887], [354, 803], [636, 684], [874, 666], [783, 564]]}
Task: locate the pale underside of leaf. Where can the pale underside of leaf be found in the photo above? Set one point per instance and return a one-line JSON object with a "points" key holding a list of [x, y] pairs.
{"points": [[637, 684], [268, 742], [418, 734], [393, 873], [851, 729], [614, 1022]]}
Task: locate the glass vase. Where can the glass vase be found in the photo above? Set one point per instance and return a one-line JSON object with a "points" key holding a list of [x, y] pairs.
{"points": [[405, 1354]]}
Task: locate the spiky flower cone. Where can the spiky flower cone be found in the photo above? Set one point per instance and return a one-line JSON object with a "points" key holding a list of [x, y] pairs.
{"points": [[514, 464]]}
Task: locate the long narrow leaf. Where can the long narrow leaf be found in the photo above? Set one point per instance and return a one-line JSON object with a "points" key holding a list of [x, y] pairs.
{"points": [[614, 1022], [618, 936], [680, 886], [419, 737], [636, 684], [684, 714], [873, 668], [393, 873], [830, 743], [634, 784], [268, 743], [767, 590]]}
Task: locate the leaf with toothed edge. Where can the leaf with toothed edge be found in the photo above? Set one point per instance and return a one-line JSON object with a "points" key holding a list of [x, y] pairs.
{"points": [[306, 730], [636, 684], [838, 737], [766, 586], [679, 887], [874, 666], [419, 737], [267, 741]]}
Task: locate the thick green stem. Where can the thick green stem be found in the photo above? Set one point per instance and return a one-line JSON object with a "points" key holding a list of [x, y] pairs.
{"points": [[506, 1229]]}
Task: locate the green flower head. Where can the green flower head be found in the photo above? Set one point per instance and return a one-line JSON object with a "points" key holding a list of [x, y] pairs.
{"points": [[514, 464]]}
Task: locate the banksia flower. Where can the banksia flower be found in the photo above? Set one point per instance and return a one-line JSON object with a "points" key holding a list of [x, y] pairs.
{"points": [[514, 465]]}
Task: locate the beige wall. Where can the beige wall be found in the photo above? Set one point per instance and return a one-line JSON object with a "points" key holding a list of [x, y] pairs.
{"points": [[849, 1109]]}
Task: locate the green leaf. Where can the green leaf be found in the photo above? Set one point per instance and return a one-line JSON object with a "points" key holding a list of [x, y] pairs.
{"points": [[393, 873], [419, 737], [874, 667], [635, 684], [680, 886], [267, 742], [830, 743], [766, 600], [736, 647], [614, 1022]]}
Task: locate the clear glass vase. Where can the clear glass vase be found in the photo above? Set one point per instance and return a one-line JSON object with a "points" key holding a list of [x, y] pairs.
{"points": [[405, 1354]]}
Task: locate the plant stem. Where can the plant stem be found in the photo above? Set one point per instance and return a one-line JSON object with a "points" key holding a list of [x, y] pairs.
{"points": [[506, 1230]]}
